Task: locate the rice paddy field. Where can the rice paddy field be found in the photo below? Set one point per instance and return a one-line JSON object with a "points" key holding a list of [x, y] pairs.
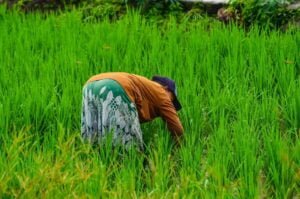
{"points": [[240, 92]]}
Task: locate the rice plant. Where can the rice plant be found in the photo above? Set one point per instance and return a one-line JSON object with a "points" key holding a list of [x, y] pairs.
{"points": [[240, 92]]}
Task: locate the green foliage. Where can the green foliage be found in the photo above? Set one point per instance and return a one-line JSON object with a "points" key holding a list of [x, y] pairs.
{"points": [[240, 93], [161, 8], [196, 13], [158, 9], [264, 13], [44, 5], [272, 14], [102, 9]]}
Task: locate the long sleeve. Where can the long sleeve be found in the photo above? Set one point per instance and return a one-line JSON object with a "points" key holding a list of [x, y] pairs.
{"points": [[170, 116]]}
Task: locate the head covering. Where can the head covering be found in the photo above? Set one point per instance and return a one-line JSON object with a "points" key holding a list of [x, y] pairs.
{"points": [[170, 84]]}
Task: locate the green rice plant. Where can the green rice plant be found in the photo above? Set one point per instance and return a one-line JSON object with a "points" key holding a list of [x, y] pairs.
{"points": [[240, 96]]}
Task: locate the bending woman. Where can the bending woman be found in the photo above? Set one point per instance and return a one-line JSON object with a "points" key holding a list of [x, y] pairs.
{"points": [[118, 102]]}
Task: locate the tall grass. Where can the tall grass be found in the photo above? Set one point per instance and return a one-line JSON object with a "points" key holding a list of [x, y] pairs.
{"points": [[240, 93]]}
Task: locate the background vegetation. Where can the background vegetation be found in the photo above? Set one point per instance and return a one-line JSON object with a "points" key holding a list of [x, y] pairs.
{"points": [[271, 13], [240, 92]]}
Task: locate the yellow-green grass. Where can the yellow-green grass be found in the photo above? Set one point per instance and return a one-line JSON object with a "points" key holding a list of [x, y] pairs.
{"points": [[240, 93]]}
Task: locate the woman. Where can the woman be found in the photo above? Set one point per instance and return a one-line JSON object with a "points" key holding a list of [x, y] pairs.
{"points": [[118, 102]]}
